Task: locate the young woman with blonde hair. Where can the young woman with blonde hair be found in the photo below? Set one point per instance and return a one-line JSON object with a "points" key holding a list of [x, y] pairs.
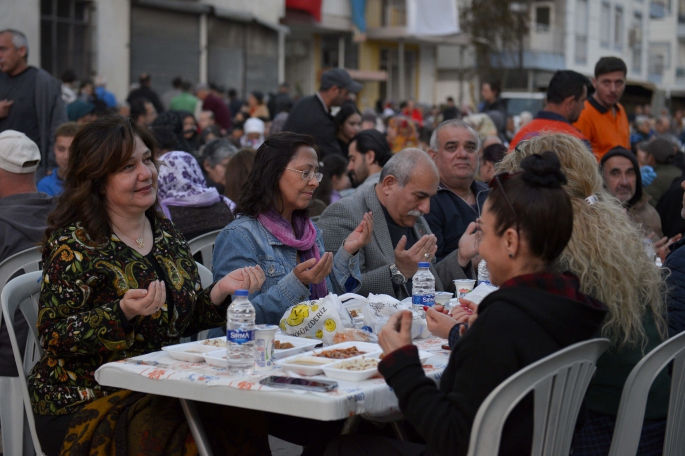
{"points": [[606, 253]]}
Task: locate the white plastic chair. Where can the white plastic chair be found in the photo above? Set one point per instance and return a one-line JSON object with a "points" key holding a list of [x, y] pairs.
{"points": [[631, 410], [11, 406], [22, 293], [559, 382], [205, 245]]}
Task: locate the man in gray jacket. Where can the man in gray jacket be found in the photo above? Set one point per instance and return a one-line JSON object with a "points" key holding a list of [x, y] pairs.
{"points": [[23, 218], [401, 236], [30, 98]]}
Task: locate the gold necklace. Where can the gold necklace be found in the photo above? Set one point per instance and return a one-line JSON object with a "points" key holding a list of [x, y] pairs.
{"points": [[140, 241]]}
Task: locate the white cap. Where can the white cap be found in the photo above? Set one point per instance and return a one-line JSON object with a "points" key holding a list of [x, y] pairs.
{"points": [[18, 154], [253, 125]]}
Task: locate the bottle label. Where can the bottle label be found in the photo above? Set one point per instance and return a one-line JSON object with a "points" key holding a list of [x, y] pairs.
{"points": [[239, 336], [423, 300]]}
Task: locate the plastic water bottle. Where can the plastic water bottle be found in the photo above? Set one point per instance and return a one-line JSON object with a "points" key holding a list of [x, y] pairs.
{"points": [[483, 273], [240, 334], [423, 288]]}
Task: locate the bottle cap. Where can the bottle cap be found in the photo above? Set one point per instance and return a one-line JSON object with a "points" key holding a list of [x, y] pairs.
{"points": [[424, 264], [241, 293]]}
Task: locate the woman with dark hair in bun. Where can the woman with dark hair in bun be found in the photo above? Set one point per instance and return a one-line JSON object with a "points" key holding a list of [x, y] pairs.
{"points": [[526, 223]]}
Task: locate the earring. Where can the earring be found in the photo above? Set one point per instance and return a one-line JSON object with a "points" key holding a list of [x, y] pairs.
{"points": [[511, 255]]}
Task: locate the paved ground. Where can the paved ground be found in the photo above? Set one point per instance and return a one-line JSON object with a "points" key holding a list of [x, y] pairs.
{"points": [[281, 448]]}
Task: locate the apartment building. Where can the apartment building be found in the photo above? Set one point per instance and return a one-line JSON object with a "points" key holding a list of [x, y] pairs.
{"points": [[236, 43]]}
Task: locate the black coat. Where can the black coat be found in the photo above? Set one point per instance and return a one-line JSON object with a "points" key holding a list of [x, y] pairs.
{"points": [[450, 216], [516, 326], [309, 117]]}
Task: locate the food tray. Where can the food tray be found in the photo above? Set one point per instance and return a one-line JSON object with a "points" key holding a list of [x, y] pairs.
{"points": [[333, 370], [288, 365], [191, 352], [301, 345], [216, 358], [366, 347]]}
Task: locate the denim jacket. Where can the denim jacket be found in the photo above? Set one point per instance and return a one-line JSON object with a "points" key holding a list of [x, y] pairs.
{"points": [[245, 242]]}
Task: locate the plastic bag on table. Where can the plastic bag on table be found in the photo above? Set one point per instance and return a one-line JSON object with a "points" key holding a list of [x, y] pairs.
{"points": [[380, 308], [354, 304], [320, 319]]}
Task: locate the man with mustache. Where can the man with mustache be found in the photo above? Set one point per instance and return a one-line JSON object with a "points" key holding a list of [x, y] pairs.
{"points": [[402, 237], [623, 180], [603, 120]]}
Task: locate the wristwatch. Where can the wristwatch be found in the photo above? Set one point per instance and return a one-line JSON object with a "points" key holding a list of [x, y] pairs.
{"points": [[397, 277]]}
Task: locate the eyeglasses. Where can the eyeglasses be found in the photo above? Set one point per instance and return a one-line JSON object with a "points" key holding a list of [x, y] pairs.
{"points": [[308, 174], [497, 181]]}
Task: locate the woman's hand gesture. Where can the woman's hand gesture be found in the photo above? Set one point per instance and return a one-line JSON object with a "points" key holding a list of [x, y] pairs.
{"points": [[249, 278], [143, 302], [439, 324], [310, 271], [361, 236]]}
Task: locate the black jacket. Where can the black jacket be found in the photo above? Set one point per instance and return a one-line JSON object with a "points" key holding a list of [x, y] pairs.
{"points": [[675, 263], [309, 117], [516, 326], [450, 216]]}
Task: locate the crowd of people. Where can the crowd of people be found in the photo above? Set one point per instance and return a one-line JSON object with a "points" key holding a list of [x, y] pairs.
{"points": [[572, 209]]}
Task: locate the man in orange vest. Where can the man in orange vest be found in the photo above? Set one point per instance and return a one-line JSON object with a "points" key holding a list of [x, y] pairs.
{"points": [[604, 121]]}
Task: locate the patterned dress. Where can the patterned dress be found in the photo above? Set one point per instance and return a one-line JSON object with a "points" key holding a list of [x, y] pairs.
{"points": [[81, 325]]}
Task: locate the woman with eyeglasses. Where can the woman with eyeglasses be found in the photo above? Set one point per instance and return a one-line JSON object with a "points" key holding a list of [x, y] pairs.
{"points": [[526, 223], [273, 230]]}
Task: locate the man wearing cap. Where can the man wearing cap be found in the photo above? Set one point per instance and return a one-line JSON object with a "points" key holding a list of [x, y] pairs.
{"points": [[23, 216], [30, 98], [658, 154], [312, 115]]}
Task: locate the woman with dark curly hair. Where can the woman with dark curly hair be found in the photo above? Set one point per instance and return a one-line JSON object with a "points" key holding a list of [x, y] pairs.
{"points": [[119, 281], [273, 230]]}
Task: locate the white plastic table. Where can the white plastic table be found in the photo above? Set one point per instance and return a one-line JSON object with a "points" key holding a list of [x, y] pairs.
{"points": [[158, 373]]}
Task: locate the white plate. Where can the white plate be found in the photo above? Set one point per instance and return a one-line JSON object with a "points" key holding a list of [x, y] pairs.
{"points": [[290, 364], [366, 347], [191, 352], [333, 370], [215, 343], [301, 345], [216, 358]]}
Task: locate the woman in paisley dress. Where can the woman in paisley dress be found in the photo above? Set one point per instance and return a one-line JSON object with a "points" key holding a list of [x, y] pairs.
{"points": [[119, 281]]}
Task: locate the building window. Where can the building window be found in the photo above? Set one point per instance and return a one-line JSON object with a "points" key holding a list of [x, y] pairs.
{"points": [[65, 36], [605, 25], [636, 42], [581, 31], [394, 13], [330, 52], [543, 19], [618, 27]]}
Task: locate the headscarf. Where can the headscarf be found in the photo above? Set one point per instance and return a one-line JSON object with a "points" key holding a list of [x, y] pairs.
{"points": [[406, 133], [252, 125], [181, 183]]}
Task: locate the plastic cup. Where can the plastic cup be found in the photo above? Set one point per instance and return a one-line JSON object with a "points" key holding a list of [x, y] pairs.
{"points": [[463, 286], [264, 344], [442, 298]]}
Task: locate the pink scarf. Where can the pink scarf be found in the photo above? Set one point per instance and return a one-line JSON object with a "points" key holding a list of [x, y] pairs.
{"points": [[304, 241]]}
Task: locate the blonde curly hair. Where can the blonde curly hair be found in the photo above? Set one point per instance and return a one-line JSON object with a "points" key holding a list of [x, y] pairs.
{"points": [[605, 250]]}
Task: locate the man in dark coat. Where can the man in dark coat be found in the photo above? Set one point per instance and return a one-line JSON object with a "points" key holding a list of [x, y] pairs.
{"points": [[312, 115], [145, 91]]}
